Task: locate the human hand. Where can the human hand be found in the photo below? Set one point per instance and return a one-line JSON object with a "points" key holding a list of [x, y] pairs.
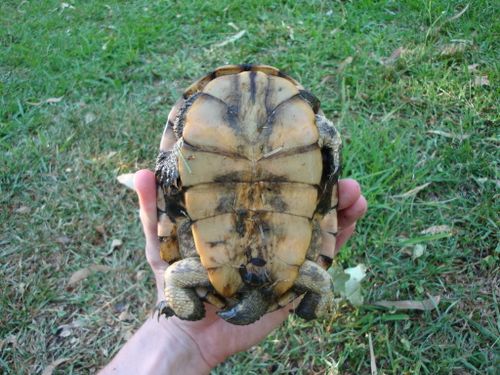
{"points": [[212, 338]]}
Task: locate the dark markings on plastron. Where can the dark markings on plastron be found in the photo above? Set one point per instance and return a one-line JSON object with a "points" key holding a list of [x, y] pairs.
{"points": [[187, 247], [253, 277], [266, 103], [216, 243], [311, 99], [225, 204], [259, 262], [278, 204], [253, 87], [240, 217]]}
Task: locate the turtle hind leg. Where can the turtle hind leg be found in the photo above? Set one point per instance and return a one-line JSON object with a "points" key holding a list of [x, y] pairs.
{"points": [[252, 306], [181, 280], [316, 283]]}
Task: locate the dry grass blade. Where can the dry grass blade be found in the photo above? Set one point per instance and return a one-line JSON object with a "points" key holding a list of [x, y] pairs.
{"points": [[459, 14], [373, 363], [344, 64], [47, 101], [436, 229], [428, 304], [448, 135], [412, 192], [231, 39]]}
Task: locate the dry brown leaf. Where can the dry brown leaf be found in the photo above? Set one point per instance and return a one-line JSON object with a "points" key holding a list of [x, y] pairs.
{"points": [[425, 305], [395, 55], [83, 273], [344, 64], [101, 230], [50, 368], [413, 192], [436, 229], [481, 81]]}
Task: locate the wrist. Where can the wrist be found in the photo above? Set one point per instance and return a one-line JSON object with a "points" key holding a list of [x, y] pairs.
{"points": [[159, 348]]}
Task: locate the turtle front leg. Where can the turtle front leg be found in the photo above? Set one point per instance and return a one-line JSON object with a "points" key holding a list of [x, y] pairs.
{"points": [[316, 283], [181, 280]]}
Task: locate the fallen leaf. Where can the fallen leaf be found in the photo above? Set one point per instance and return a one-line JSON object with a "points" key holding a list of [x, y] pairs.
{"points": [[481, 81], [231, 39], [344, 64], [115, 244], [101, 230], [472, 68], [89, 117], [395, 55], [436, 229], [325, 79], [127, 179], [50, 368], [449, 135], [10, 339], [425, 305], [413, 192], [353, 285], [83, 273], [418, 251], [63, 240], [22, 210], [459, 14], [125, 316]]}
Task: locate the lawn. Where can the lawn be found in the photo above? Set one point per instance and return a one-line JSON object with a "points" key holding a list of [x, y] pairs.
{"points": [[85, 88]]}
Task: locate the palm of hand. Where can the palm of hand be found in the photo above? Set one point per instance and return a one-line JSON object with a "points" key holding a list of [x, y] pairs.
{"points": [[215, 338]]}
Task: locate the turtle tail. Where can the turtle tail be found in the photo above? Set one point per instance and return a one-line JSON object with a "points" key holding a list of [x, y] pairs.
{"points": [[251, 307]]}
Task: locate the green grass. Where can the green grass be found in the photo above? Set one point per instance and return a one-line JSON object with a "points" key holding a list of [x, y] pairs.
{"points": [[118, 67]]}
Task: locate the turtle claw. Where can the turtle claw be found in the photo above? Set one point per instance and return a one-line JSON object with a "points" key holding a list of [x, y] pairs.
{"points": [[162, 309]]}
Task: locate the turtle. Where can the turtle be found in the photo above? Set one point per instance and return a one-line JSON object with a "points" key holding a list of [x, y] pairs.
{"points": [[247, 197]]}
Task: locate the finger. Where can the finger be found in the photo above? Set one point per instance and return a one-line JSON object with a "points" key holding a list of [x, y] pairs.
{"points": [[145, 185], [349, 192], [343, 236], [354, 212]]}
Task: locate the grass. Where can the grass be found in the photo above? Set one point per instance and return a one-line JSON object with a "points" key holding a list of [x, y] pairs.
{"points": [[85, 88]]}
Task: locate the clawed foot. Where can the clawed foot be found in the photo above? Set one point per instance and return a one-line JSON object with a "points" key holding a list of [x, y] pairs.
{"points": [[163, 309]]}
